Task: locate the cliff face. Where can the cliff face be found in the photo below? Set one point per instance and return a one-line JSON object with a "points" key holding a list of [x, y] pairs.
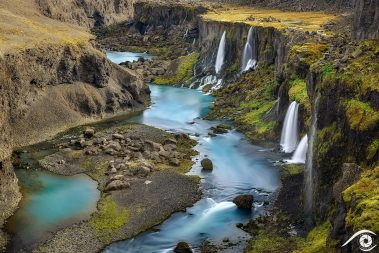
{"points": [[50, 81], [366, 20], [62, 86], [269, 45], [87, 13]]}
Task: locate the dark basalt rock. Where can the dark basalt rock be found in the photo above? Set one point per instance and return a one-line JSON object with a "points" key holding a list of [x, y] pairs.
{"points": [[244, 201], [207, 164], [182, 247]]}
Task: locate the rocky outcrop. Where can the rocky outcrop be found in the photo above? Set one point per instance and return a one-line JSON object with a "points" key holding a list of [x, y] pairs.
{"points": [[88, 13], [60, 87], [48, 89], [366, 20]]}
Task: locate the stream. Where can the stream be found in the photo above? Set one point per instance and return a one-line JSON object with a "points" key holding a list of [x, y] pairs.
{"points": [[52, 201]]}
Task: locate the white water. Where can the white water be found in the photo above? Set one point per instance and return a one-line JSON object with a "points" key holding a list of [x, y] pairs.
{"points": [[247, 56], [289, 138], [220, 53], [301, 152], [309, 162]]}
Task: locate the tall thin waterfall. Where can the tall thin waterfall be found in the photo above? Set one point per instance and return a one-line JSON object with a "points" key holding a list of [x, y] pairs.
{"points": [[289, 138], [247, 56], [220, 53], [309, 174], [301, 152]]}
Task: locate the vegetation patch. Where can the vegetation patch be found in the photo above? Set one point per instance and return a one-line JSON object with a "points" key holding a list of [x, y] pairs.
{"points": [[183, 72], [247, 101], [362, 201], [298, 93], [272, 242], [361, 115], [372, 150], [308, 52], [293, 169], [308, 21], [109, 218], [316, 240]]}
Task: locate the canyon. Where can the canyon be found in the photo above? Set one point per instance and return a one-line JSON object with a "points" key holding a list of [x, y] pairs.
{"points": [[320, 68]]}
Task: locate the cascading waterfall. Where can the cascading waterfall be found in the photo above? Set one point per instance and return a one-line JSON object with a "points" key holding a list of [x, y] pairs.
{"points": [[301, 152], [289, 138], [309, 164], [220, 53], [247, 57]]}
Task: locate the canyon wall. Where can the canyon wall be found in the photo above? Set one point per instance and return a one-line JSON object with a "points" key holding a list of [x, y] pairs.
{"points": [[88, 13], [366, 20]]}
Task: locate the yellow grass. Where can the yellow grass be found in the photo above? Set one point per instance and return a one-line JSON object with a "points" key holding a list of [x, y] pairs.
{"points": [[22, 26], [307, 21]]}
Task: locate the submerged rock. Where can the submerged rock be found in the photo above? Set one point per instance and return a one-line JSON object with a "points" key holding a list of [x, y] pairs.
{"points": [[207, 164], [182, 247], [244, 201]]}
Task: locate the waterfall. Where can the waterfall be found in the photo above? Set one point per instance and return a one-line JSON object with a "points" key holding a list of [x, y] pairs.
{"points": [[289, 138], [309, 163], [247, 56], [301, 152], [220, 53]]}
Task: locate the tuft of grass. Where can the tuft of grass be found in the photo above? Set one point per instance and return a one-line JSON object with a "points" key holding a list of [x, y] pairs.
{"points": [[271, 242], [308, 52], [109, 218], [183, 72], [362, 201], [293, 169], [298, 93], [361, 115], [316, 240]]}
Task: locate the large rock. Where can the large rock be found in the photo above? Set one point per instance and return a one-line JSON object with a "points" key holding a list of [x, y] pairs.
{"points": [[207, 164], [182, 247], [89, 132], [116, 185], [244, 201]]}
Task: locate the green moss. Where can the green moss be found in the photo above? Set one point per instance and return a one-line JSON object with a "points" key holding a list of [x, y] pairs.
{"points": [[293, 169], [366, 66], [254, 117], [362, 201], [361, 115], [109, 218], [247, 101], [328, 71], [308, 52], [372, 150], [184, 70], [270, 242], [316, 240], [328, 138], [298, 93]]}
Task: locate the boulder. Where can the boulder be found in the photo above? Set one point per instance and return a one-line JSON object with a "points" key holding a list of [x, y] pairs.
{"points": [[207, 164], [116, 185], [142, 171], [118, 136], [89, 132], [244, 201], [182, 247], [174, 162]]}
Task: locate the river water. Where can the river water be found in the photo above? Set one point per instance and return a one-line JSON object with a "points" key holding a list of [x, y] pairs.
{"points": [[52, 201], [239, 168]]}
